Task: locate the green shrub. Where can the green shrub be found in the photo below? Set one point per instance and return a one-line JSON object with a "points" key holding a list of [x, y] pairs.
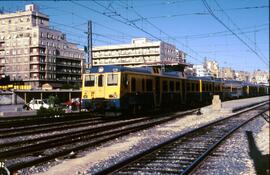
{"points": [[43, 112]]}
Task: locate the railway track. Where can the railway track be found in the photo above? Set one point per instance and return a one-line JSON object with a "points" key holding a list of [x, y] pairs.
{"points": [[20, 154], [7, 122], [183, 153]]}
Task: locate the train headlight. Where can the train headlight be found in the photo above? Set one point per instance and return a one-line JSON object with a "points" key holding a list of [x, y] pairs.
{"points": [[100, 69], [115, 70]]}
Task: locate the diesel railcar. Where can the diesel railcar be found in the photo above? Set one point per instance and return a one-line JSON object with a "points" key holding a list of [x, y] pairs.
{"points": [[123, 89]]}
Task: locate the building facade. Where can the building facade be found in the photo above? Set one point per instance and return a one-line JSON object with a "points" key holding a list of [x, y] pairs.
{"points": [[32, 52], [242, 76], [201, 71], [141, 52], [212, 67], [260, 77], [227, 73]]}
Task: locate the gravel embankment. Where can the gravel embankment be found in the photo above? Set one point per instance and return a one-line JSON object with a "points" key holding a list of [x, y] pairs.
{"points": [[95, 159], [233, 156]]}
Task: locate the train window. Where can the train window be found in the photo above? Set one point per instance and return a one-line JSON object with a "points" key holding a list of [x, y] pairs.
{"points": [[149, 85], [143, 85], [171, 86], [133, 84], [100, 80], [188, 86], [177, 86], [112, 80], [197, 87], [89, 80], [165, 86], [192, 87], [203, 87], [125, 80]]}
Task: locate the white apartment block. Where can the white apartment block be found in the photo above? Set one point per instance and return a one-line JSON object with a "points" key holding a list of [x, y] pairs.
{"points": [[141, 52], [213, 67], [260, 77], [33, 52], [201, 71]]}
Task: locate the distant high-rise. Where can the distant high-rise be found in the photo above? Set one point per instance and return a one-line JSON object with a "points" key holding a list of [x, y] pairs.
{"points": [[36, 54]]}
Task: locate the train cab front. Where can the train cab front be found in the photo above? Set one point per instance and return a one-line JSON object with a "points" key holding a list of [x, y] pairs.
{"points": [[101, 90]]}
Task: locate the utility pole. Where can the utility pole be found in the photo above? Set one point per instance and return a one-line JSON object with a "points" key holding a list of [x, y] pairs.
{"points": [[89, 45]]}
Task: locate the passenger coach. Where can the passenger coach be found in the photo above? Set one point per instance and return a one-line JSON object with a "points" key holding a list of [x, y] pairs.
{"points": [[132, 90]]}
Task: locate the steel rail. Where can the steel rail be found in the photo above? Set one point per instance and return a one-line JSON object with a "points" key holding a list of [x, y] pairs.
{"points": [[127, 163], [107, 137]]}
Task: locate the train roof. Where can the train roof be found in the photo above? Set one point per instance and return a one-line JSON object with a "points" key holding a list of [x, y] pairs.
{"points": [[146, 70], [111, 68], [200, 78]]}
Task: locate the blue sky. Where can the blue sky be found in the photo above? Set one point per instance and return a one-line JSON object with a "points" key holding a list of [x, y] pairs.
{"points": [[185, 23]]}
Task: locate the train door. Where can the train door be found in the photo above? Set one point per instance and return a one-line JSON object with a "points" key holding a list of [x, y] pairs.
{"points": [[100, 86], [157, 91], [183, 83]]}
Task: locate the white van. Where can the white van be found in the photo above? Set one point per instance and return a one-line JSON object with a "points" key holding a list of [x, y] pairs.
{"points": [[37, 104]]}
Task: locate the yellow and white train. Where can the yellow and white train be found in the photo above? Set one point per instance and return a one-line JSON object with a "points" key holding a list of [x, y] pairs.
{"points": [[123, 89]]}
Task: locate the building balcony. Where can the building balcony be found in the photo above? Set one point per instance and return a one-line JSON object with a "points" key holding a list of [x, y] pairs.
{"points": [[125, 55], [38, 46], [34, 70], [37, 62], [67, 72], [68, 65], [37, 53], [34, 79], [34, 62], [68, 58]]}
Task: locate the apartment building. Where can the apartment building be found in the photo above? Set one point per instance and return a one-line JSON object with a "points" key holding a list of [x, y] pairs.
{"points": [[201, 71], [32, 52], [140, 52], [242, 76], [227, 73], [260, 77], [212, 66]]}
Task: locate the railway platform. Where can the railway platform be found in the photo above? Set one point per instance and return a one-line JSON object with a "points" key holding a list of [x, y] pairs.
{"points": [[235, 105], [96, 159]]}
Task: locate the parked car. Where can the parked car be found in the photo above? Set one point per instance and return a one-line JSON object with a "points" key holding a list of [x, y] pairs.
{"points": [[36, 104]]}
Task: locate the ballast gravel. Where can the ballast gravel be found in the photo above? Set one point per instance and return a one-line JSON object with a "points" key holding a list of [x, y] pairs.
{"points": [[95, 159], [232, 157]]}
